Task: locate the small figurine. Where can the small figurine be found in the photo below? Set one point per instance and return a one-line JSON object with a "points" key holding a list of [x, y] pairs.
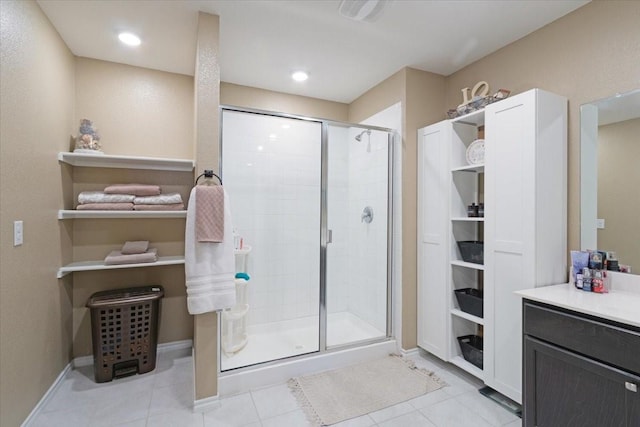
{"points": [[88, 140]]}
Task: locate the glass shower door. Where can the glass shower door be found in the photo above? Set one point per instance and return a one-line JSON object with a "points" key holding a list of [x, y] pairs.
{"points": [[272, 172], [357, 273]]}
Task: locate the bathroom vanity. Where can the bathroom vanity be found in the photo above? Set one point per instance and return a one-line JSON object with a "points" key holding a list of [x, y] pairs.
{"points": [[581, 357]]}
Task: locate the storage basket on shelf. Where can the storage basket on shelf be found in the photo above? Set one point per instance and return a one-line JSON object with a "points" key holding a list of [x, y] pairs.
{"points": [[124, 331], [472, 251], [471, 346], [470, 301]]}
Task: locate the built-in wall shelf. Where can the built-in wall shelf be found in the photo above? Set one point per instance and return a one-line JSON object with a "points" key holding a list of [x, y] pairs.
{"points": [[99, 265], [466, 366], [126, 162], [75, 214], [479, 168], [471, 265], [468, 219], [467, 316]]}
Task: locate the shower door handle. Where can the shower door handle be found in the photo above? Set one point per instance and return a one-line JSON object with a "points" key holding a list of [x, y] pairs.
{"points": [[329, 236]]}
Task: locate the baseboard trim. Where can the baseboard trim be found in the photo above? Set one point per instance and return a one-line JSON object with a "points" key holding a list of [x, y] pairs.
{"points": [[410, 353], [88, 361], [162, 348], [45, 399], [206, 404]]}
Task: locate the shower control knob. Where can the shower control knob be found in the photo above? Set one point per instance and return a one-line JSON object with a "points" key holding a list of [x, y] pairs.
{"points": [[367, 215]]}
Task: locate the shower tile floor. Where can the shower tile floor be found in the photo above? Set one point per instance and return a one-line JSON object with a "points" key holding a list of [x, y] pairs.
{"points": [[164, 398], [272, 341]]}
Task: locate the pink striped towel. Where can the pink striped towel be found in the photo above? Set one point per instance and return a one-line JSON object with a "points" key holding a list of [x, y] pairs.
{"points": [[209, 213], [135, 189]]}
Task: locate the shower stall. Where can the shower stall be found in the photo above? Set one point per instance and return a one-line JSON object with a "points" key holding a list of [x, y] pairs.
{"points": [[311, 208]]}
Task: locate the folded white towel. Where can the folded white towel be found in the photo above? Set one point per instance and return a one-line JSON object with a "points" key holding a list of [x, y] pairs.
{"points": [[100, 197], [209, 267], [117, 257], [162, 199], [135, 247]]}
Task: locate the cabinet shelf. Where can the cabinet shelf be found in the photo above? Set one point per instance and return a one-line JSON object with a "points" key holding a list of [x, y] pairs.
{"points": [[479, 168], [466, 366], [475, 118], [75, 214], [467, 316], [126, 162], [471, 265], [468, 218], [99, 265]]}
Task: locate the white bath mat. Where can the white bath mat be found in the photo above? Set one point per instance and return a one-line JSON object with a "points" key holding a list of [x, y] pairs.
{"points": [[341, 394]]}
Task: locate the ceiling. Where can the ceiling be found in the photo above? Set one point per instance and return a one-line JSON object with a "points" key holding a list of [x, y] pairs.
{"points": [[263, 41]]}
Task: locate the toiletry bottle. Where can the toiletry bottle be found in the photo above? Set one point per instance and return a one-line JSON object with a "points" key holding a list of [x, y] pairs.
{"points": [[597, 283], [586, 279], [236, 239]]}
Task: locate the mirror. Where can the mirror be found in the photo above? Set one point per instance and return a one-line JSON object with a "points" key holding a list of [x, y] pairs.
{"points": [[610, 177]]}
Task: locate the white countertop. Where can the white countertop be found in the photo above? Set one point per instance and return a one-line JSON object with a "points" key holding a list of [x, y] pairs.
{"points": [[618, 305]]}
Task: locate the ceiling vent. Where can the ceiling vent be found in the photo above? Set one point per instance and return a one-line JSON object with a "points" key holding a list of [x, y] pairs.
{"points": [[361, 10]]}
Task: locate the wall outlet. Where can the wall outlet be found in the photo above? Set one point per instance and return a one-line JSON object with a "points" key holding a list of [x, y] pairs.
{"points": [[17, 233], [600, 223]]}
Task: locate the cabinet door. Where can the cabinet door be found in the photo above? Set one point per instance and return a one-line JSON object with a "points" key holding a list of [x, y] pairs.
{"points": [[433, 169], [509, 235], [566, 389]]}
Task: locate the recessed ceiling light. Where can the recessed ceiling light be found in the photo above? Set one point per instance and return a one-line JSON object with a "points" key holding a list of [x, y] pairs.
{"points": [[299, 76], [129, 39]]}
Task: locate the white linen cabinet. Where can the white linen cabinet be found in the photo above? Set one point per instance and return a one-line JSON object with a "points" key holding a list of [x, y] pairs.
{"points": [[523, 229], [526, 221]]}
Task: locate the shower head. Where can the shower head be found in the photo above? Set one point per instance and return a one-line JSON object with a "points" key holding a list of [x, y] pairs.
{"points": [[359, 136]]}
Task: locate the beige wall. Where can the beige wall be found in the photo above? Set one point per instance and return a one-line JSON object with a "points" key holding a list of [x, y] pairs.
{"points": [[36, 118], [386, 93], [260, 99], [137, 111], [618, 195], [587, 55]]}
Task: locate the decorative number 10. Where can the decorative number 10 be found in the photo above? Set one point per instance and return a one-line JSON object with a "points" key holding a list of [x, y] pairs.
{"points": [[480, 89]]}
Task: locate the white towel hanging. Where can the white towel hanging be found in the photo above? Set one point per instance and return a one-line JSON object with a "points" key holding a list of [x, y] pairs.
{"points": [[209, 267]]}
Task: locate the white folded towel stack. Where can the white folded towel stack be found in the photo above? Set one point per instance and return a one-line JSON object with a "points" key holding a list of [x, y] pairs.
{"points": [[87, 197], [209, 267], [162, 199]]}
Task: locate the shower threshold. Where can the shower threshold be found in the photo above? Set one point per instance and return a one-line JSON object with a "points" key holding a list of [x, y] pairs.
{"points": [[277, 340]]}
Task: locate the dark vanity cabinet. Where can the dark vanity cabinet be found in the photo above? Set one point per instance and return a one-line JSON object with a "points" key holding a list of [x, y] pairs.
{"points": [[579, 370]]}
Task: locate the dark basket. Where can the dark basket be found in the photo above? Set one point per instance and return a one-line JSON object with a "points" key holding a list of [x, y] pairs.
{"points": [[471, 346], [472, 251], [470, 301], [124, 326]]}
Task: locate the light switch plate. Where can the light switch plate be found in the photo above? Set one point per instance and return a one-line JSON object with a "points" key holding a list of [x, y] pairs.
{"points": [[17, 233], [600, 223]]}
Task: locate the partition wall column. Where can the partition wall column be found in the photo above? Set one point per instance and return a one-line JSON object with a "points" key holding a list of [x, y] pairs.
{"points": [[207, 100]]}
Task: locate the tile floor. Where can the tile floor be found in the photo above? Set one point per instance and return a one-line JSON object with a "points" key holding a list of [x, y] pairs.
{"points": [[164, 398]]}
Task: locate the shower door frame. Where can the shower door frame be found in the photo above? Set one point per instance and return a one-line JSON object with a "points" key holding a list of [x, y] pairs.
{"points": [[324, 231]]}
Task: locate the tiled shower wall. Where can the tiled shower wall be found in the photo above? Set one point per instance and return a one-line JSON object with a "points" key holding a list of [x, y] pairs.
{"points": [[271, 170], [368, 184]]}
